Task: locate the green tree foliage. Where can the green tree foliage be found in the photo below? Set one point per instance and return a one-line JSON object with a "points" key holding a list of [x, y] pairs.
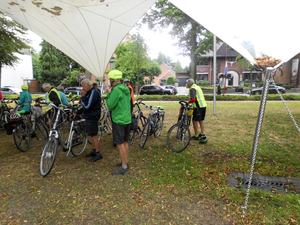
{"points": [[55, 65], [194, 39], [36, 66], [162, 58], [177, 67], [11, 41], [153, 71], [132, 59], [171, 80]]}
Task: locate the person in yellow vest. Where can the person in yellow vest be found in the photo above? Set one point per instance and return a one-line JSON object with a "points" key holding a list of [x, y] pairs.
{"points": [[198, 101], [54, 97]]}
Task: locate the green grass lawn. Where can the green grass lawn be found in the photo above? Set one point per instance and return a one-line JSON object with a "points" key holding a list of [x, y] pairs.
{"points": [[162, 187]]}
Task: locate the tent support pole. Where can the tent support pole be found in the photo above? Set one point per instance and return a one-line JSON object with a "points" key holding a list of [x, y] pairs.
{"points": [[215, 71], [263, 102]]}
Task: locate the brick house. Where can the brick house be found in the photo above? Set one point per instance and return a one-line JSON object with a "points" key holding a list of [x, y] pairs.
{"points": [[166, 72], [205, 67]]}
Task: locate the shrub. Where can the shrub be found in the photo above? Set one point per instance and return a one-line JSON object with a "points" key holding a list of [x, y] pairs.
{"points": [[204, 83]]}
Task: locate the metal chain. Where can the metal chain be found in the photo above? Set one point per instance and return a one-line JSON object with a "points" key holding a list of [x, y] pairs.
{"points": [[295, 123], [267, 82]]}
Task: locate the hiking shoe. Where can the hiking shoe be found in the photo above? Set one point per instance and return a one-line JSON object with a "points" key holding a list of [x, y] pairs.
{"points": [[203, 138], [195, 138], [120, 171], [91, 154], [120, 164], [96, 157]]}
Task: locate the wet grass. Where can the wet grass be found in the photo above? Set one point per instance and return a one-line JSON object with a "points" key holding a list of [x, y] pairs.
{"points": [[162, 187]]}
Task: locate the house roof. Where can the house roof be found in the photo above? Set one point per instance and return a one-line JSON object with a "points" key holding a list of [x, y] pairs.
{"points": [[221, 51]]}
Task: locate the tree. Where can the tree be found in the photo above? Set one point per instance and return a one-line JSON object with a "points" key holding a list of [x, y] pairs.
{"points": [[55, 66], [153, 71], [11, 41], [177, 67], [36, 67], [171, 80], [132, 59], [161, 58], [194, 39]]}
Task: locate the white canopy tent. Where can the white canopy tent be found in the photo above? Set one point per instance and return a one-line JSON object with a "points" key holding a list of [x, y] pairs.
{"points": [[89, 31]]}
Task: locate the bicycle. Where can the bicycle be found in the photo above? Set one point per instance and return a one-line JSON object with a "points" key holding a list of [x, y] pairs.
{"points": [[154, 124], [138, 121], [179, 134], [5, 110], [77, 137], [106, 118]]}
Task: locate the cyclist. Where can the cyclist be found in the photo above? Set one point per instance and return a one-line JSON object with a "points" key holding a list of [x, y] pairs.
{"points": [[198, 101], [54, 97], [127, 82], [62, 95], [1, 99], [25, 98], [118, 101]]}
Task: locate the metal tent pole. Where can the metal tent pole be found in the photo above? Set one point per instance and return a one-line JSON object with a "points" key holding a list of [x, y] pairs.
{"points": [[263, 102]]}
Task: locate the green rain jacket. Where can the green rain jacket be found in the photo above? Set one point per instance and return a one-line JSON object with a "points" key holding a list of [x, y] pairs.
{"points": [[118, 102], [25, 97]]}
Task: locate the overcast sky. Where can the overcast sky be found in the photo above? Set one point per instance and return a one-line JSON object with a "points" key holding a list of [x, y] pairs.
{"points": [[156, 42]]}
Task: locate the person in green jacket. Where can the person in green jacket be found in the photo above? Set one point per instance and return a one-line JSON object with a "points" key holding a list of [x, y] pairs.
{"points": [[118, 101], [25, 97]]}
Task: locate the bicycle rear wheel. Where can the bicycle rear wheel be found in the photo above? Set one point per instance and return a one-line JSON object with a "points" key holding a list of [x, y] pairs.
{"points": [[159, 126], [41, 128], [131, 137], [178, 137], [48, 156], [145, 133], [22, 138], [79, 140]]}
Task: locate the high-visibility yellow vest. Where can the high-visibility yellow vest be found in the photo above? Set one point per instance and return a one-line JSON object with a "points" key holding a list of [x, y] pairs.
{"points": [[199, 96], [48, 99]]}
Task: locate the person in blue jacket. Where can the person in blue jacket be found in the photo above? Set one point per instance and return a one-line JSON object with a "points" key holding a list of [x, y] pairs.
{"points": [[25, 97], [63, 97]]}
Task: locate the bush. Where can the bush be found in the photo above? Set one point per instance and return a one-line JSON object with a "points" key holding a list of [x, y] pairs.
{"points": [[271, 97], [204, 83]]}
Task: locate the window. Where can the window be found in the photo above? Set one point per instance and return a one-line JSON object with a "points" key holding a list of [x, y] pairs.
{"points": [[202, 62], [231, 59]]}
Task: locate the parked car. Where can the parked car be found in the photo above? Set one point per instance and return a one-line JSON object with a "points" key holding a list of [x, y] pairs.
{"points": [[272, 90], [10, 91], [171, 87], [155, 90], [73, 90]]}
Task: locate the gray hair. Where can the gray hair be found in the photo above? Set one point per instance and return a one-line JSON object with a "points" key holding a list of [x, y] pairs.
{"points": [[87, 82], [46, 85], [190, 81], [61, 88]]}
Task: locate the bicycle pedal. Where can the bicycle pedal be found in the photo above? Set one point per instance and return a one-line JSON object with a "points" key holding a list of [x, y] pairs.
{"points": [[70, 156]]}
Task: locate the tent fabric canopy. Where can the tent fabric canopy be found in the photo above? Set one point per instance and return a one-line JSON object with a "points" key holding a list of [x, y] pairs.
{"points": [[89, 31]]}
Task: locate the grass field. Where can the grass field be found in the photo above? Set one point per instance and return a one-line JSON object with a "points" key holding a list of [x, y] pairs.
{"points": [[162, 187]]}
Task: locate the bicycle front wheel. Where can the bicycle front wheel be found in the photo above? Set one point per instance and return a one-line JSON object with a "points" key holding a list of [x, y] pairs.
{"points": [[178, 137], [79, 140], [159, 126], [22, 138], [48, 156], [41, 128], [145, 134]]}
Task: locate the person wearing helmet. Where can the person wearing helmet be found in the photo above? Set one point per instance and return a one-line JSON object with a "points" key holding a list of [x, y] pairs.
{"points": [[198, 101], [25, 98], [127, 82], [118, 101]]}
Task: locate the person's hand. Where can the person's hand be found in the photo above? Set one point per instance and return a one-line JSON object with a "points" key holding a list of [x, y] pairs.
{"points": [[73, 116], [82, 92]]}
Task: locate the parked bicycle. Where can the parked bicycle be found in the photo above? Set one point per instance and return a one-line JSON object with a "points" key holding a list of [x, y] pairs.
{"points": [[5, 111], [105, 121], [179, 134], [74, 143], [154, 124], [138, 121]]}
